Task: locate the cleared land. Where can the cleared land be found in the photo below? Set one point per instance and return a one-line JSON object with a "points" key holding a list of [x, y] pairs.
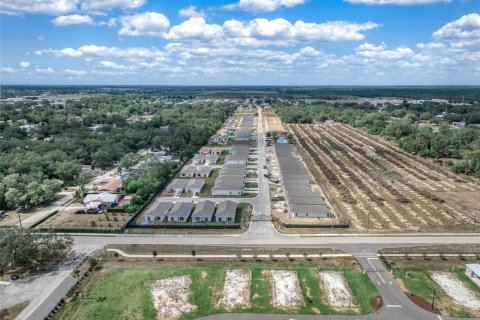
{"points": [[371, 182], [286, 292], [338, 292], [461, 295], [236, 289], [120, 289], [272, 122], [68, 219], [170, 297]]}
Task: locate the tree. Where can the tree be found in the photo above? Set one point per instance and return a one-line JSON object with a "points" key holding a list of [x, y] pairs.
{"points": [[24, 249], [194, 253], [154, 253]]}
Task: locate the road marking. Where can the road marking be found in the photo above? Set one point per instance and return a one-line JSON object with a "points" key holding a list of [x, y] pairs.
{"points": [[393, 306], [390, 283], [375, 269], [439, 317], [372, 258], [378, 282]]}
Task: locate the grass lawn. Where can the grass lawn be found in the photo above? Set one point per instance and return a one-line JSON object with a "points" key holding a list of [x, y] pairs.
{"points": [[419, 283], [251, 185], [123, 293], [209, 183]]}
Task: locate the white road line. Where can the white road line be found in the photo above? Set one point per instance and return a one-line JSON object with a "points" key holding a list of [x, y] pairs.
{"points": [[439, 317], [393, 306], [390, 283], [375, 269]]}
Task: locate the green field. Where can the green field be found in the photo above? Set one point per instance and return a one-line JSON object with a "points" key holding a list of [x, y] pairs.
{"points": [[123, 293]]}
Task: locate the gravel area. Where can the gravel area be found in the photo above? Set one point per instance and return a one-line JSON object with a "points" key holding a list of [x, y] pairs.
{"points": [[457, 290], [236, 290], [170, 297], [286, 290], [337, 290]]}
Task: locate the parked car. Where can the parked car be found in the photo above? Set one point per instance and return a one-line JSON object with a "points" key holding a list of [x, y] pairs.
{"points": [[14, 277]]}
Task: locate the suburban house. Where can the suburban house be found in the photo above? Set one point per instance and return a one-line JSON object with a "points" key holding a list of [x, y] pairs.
{"points": [[473, 271], [203, 211], [113, 185], [230, 181], [194, 186], [216, 150], [188, 172], [211, 158], [199, 159], [238, 155], [158, 211], [180, 212], [96, 202], [126, 200], [226, 211], [203, 172], [177, 185]]}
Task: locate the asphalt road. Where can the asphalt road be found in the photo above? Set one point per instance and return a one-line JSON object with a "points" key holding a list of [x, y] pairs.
{"points": [[46, 290]]}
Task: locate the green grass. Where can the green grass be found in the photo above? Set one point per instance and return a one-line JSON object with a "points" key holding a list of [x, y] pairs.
{"points": [[420, 284], [209, 183], [123, 294]]}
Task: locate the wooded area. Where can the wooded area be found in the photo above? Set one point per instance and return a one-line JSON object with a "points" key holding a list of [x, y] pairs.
{"points": [[43, 146]]}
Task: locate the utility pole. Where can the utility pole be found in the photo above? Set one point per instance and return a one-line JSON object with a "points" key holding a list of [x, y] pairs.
{"points": [[19, 219], [433, 299], [368, 220]]}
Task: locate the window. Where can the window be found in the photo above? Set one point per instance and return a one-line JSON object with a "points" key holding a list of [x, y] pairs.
{"points": [[229, 219], [181, 218]]}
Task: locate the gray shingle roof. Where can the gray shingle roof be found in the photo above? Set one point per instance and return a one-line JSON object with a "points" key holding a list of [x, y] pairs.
{"points": [[181, 209], [226, 208], [204, 209]]}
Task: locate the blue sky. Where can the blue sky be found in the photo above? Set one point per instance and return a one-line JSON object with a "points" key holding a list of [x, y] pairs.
{"points": [[240, 42]]}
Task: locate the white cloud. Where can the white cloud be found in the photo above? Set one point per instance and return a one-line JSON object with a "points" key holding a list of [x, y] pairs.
{"points": [[38, 6], [467, 27], [24, 64], [75, 73], [368, 50], [47, 70], [263, 5], [396, 2], [99, 5], [194, 28], [59, 7], [191, 12], [256, 32], [72, 19], [144, 24], [7, 69]]}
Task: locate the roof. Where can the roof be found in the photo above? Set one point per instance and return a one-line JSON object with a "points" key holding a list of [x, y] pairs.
{"points": [[306, 200], [204, 170], [226, 208], [229, 183], [205, 149], [159, 209], [195, 184], [181, 209], [105, 197], [204, 208], [111, 185], [188, 170], [475, 267], [177, 183]]}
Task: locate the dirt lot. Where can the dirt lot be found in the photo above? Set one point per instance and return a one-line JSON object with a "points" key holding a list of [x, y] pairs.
{"points": [[68, 219], [271, 122], [371, 182]]}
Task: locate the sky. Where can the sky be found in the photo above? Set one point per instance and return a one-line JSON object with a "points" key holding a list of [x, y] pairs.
{"points": [[240, 42]]}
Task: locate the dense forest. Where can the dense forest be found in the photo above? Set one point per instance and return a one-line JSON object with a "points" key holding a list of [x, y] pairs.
{"points": [[43, 146], [414, 128]]}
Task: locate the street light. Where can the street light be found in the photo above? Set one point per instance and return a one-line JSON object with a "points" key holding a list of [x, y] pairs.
{"points": [[433, 299], [368, 220]]}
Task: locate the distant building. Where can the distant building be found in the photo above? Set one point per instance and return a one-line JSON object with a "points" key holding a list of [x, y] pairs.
{"points": [[158, 211], [177, 185], [194, 186], [188, 172], [113, 185]]}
